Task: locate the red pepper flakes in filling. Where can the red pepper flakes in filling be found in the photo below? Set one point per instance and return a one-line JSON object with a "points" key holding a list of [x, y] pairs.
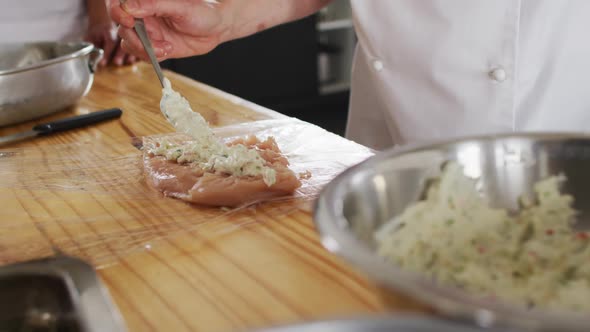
{"points": [[582, 236], [549, 232]]}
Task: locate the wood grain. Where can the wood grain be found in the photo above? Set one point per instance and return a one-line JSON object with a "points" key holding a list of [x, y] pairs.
{"points": [[176, 267]]}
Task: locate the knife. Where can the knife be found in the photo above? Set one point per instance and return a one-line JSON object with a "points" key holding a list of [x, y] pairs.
{"points": [[63, 125]]}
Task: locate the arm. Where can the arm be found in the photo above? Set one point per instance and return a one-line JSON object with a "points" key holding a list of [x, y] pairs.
{"points": [[97, 12], [180, 28], [103, 34], [253, 16]]}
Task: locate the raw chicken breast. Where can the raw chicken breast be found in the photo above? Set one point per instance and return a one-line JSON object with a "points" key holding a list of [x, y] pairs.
{"points": [[193, 184]]}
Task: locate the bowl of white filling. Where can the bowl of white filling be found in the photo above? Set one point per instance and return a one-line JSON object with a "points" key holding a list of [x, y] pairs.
{"points": [[492, 228]]}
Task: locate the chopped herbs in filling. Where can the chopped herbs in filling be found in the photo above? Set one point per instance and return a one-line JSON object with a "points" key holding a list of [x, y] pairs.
{"points": [[535, 257], [206, 151]]}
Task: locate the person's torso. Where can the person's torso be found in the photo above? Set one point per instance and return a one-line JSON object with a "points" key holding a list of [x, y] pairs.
{"points": [[42, 20], [435, 69]]}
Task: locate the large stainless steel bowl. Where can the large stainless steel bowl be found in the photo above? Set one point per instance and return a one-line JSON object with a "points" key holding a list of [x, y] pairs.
{"points": [[381, 324], [37, 79], [361, 199]]}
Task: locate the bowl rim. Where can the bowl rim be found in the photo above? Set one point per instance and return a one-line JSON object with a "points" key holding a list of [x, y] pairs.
{"points": [[364, 322], [85, 48], [328, 219]]}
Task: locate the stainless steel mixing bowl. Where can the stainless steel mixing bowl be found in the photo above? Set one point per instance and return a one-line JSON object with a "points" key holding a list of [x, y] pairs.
{"points": [[37, 79], [381, 324], [364, 197]]}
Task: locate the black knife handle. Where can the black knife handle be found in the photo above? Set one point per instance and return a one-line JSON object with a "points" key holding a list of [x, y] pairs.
{"points": [[77, 121]]}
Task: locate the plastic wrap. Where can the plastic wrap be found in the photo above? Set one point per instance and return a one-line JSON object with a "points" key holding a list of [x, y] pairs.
{"points": [[89, 199]]}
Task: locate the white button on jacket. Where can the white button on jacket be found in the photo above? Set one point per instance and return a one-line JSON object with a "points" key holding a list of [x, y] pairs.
{"points": [[498, 74], [435, 69]]}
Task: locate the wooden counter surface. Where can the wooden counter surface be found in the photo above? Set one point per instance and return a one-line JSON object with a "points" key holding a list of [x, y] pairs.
{"points": [[214, 274]]}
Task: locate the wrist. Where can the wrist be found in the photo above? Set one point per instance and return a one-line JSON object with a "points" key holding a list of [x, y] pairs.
{"points": [[238, 25], [228, 20]]}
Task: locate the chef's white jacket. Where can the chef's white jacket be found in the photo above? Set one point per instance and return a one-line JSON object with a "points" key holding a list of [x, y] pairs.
{"points": [[42, 20], [436, 69]]}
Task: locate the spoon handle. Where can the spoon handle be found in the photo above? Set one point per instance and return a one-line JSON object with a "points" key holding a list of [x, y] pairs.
{"points": [[147, 45], [142, 33]]}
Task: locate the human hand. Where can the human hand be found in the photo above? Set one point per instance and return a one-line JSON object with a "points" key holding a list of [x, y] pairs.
{"points": [[176, 28], [104, 36]]}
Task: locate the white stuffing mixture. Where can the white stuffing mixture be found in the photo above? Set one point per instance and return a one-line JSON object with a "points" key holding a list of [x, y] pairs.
{"points": [[534, 258], [205, 150]]}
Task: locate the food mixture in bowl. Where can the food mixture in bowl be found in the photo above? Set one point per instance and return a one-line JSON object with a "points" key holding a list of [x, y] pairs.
{"points": [[535, 258]]}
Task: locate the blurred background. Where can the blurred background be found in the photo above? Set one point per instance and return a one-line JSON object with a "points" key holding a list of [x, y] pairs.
{"points": [[300, 69]]}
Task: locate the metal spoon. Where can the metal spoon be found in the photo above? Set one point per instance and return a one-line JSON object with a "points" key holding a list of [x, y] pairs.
{"points": [[147, 45], [182, 117]]}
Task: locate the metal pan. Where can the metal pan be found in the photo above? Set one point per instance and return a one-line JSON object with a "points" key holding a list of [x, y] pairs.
{"points": [[55, 294], [38, 79]]}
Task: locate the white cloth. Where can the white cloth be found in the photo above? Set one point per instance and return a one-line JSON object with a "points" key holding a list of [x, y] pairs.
{"points": [[435, 69], [42, 20]]}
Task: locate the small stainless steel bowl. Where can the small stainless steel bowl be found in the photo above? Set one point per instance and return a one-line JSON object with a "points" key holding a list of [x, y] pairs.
{"points": [[38, 79], [366, 196], [55, 294]]}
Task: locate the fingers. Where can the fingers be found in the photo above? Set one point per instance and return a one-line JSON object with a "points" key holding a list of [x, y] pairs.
{"points": [[153, 26], [109, 46], [119, 56], [103, 41], [131, 59], [161, 8], [173, 28], [130, 42], [119, 15]]}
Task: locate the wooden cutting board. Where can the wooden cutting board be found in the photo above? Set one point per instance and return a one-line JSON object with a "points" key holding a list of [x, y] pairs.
{"points": [[170, 266]]}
